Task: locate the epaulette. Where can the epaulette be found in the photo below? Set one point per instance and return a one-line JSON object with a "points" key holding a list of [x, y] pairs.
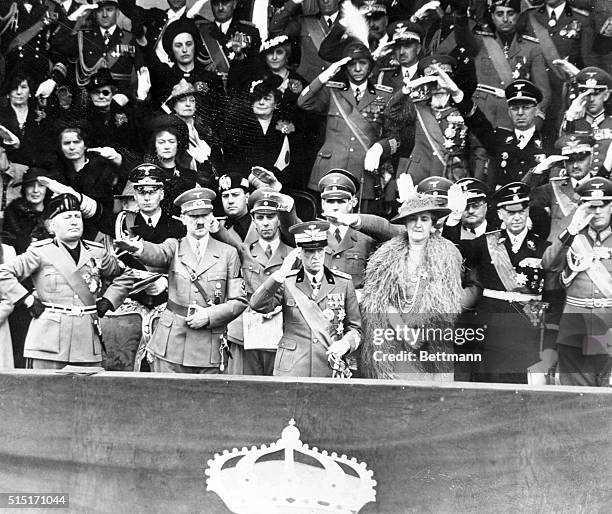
{"points": [[92, 243], [579, 11], [340, 273], [293, 272], [388, 68], [42, 242], [484, 33], [492, 232], [530, 38], [334, 84], [383, 88], [247, 22]]}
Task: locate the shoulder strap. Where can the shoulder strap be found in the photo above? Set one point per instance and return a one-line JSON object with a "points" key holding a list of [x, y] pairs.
{"points": [[501, 262], [502, 66], [312, 314], [193, 276]]}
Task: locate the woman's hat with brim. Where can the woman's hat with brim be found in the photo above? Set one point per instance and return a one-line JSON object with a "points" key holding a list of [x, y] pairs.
{"points": [[264, 86], [418, 204], [274, 42], [101, 78], [32, 175], [183, 89], [180, 26], [172, 124]]}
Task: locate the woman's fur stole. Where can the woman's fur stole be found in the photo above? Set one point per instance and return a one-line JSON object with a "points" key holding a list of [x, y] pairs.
{"points": [[437, 303]]}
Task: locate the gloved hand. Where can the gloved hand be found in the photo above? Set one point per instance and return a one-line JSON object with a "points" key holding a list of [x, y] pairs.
{"points": [[46, 88], [372, 157], [103, 305], [36, 308]]}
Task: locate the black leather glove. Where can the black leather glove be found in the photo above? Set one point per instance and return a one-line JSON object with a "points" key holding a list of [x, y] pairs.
{"points": [[460, 7], [37, 308], [103, 306]]}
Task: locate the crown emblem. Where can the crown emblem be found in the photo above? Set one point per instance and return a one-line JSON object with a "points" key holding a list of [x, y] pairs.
{"points": [[281, 478]]}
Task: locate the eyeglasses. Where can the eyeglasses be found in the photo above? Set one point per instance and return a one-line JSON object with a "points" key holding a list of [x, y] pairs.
{"points": [[477, 204], [102, 92]]}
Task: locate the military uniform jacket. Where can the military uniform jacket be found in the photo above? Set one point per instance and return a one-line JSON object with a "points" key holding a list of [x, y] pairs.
{"points": [[560, 200], [300, 354], [509, 162], [58, 336], [601, 131], [308, 29], [218, 272], [342, 148]]}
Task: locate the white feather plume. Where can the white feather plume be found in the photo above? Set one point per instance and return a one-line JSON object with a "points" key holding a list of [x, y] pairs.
{"points": [[405, 188], [354, 22]]}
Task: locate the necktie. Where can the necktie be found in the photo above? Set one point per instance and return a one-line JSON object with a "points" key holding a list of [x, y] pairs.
{"points": [[315, 288], [107, 36], [268, 251], [553, 19], [329, 22], [337, 235], [150, 222], [221, 28], [198, 250], [357, 95]]}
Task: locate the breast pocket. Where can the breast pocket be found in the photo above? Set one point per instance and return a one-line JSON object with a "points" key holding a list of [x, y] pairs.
{"points": [[291, 312], [285, 355], [252, 276], [179, 283], [216, 287], [51, 280], [355, 263]]}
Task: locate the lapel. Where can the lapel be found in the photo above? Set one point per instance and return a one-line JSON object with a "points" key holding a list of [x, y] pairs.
{"points": [[349, 95], [259, 255], [302, 283], [348, 241], [68, 261], [210, 257], [186, 255], [84, 257], [367, 98], [514, 48], [278, 256], [326, 287]]}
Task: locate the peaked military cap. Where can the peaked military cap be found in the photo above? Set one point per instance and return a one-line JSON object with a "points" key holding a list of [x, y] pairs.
{"points": [[146, 174], [196, 201], [511, 194], [512, 4], [522, 90], [338, 184], [405, 31], [264, 200], [426, 65], [572, 144], [310, 234], [596, 191], [593, 78], [475, 189], [434, 186]]}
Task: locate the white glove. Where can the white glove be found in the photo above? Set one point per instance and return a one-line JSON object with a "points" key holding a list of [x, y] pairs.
{"points": [[46, 88], [157, 287], [567, 67], [121, 99], [577, 108], [201, 152], [144, 83], [82, 10], [457, 199], [372, 158], [333, 68], [580, 219], [547, 163], [339, 347], [429, 6], [56, 187]]}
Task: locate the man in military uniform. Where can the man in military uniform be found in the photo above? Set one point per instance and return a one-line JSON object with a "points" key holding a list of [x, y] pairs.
{"points": [[321, 319], [106, 46], [311, 30], [68, 275], [582, 253], [439, 132], [260, 259], [587, 114], [509, 267], [228, 43], [502, 55], [600, 19], [406, 38], [355, 110], [472, 221], [205, 291], [234, 190], [513, 152]]}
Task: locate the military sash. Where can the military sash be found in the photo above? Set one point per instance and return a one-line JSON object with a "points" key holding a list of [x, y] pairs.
{"points": [[566, 204], [501, 262], [214, 49], [501, 64], [596, 271], [315, 30], [312, 314], [23, 38], [355, 122], [547, 45], [432, 131]]}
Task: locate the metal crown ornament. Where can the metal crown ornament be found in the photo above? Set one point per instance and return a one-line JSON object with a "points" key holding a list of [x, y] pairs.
{"points": [[289, 477]]}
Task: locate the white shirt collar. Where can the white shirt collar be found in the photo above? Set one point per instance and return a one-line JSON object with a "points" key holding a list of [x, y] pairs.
{"points": [[203, 243], [154, 218], [479, 230], [558, 10], [67, 4], [577, 183], [409, 71], [110, 29], [343, 230], [331, 17], [527, 135], [517, 240], [274, 244], [318, 278], [361, 87], [175, 15], [225, 25]]}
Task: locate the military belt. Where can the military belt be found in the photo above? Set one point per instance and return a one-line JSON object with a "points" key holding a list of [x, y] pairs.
{"points": [[510, 296], [495, 91], [181, 310], [589, 303], [70, 310]]}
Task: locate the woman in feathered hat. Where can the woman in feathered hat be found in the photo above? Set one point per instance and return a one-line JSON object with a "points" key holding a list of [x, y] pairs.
{"points": [[413, 281]]}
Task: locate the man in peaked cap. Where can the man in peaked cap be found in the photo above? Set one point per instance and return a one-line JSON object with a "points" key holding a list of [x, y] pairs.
{"points": [[234, 190], [472, 221], [205, 291], [68, 274], [405, 38], [260, 258], [508, 264], [583, 255], [355, 113], [321, 319], [587, 114]]}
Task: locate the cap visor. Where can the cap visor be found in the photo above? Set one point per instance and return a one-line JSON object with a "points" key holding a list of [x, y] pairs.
{"points": [[197, 212]]}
